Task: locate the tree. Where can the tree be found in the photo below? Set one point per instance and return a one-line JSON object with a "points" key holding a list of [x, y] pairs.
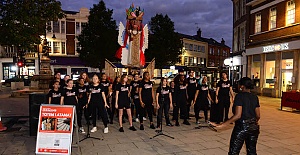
{"points": [[98, 39], [23, 21], [164, 43]]}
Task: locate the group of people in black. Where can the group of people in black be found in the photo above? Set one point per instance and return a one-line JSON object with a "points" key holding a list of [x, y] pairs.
{"points": [[101, 98]]}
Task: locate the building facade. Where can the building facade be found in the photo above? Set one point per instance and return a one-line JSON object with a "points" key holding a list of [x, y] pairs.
{"points": [[273, 50], [238, 60], [62, 43]]}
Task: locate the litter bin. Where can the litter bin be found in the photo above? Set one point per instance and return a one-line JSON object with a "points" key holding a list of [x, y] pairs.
{"points": [[35, 100]]}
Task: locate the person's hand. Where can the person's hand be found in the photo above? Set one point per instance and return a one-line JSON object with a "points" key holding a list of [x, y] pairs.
{"points": [[142, 104], [153, 103], [157, 107], [217, 101], [86, 106], [106, 105], [171, 106], [116, 106], [174, 104]]}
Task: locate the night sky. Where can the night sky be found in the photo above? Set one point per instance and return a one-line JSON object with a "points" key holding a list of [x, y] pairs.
{"points": [[214, 17]]}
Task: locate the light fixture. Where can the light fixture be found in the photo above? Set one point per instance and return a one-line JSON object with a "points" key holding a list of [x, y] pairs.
{"points": [[53, 37]]}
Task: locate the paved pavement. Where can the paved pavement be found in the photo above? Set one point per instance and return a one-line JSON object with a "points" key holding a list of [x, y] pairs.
{"points": [[279, 135]]}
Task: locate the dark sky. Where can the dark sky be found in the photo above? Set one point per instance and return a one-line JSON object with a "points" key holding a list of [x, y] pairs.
{"points": [[214, 17]]}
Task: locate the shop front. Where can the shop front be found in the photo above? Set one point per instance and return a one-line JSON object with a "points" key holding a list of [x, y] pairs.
{"points": [[274, 68]]}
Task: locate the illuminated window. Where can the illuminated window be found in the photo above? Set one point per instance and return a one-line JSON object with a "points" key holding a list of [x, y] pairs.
{"points": [[273, 12], [63, 48], [78, 28], [56, 47], [257, 23], [290, 18]]}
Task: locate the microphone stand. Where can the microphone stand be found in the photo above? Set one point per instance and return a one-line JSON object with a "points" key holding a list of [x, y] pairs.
{"points": [[87, 136], [160, 132]]}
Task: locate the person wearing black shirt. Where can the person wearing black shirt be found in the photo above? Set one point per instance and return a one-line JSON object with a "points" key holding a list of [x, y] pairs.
{"points": [[181, 100], [177, 77], [163, 102], [134, 92], [246, 110], [54, 94], [201, 100], [69, 95], [57, 77], [223, 92], [105, 84], [123, 101], [82, 101], [191, 90], [172, 89], [112, 109], [146, 96], [97, 100], [65, 85]]}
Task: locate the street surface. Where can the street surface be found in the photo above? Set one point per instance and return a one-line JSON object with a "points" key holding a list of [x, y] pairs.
{"points": [[279, 134]]}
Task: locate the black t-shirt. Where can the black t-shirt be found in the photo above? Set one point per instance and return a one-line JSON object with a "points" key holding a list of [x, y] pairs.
{"points": [[224, 88], [203, 92], [180, 91], [70, 96], [96, 93], [249, 103], [135, 86], [82, 93], [192, 86], [55, 96], [164, 93], [172, 90], [105, 85], [123, 93], [146, 90]]}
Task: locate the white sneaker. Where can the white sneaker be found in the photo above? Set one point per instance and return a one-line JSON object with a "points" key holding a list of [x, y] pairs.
{"points": [[137, 120], [105, 130], [144, 118], [81, 130], [94, 129]]}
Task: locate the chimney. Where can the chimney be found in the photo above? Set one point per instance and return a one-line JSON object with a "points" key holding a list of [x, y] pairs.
{"points": [[199, 32], [223, 42]]}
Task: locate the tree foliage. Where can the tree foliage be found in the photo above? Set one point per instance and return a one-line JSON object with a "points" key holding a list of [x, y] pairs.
{"points": [[164, 43], [23, 21], [98, 39]]}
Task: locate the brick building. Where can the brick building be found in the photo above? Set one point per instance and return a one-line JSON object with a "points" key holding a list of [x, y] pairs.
{"points": [[274, 45]]}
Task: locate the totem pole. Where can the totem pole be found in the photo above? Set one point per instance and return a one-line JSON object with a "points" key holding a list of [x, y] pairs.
{"points": [[133, 39]]}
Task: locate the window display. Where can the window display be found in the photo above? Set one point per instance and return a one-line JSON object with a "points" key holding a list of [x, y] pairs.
{"points": [[269, 74]]}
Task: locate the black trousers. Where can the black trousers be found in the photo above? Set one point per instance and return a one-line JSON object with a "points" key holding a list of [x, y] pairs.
{"points": [[102, 110], [181, 104], [111, 110], [80, 111], [146, 110], [137, 107], [245, 132], [223, 104], [163, 108], [198, 106]]}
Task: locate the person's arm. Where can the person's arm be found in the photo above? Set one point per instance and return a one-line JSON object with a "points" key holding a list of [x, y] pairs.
{"points": [[171, 101], [104, 99], [62, 100], [153, 96], [196, 95], [209, 97], [257, 112], [157, 104], [88, 102], [231, 93], [117, 99], [217, 93], [235, 117], [140, 96], [49, 100]]}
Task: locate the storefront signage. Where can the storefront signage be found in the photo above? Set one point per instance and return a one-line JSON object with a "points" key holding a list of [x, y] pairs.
{"points": [[55, 129], [278, 47]]}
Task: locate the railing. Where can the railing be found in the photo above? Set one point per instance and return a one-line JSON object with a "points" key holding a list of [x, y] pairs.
{"points": [[12, 54]]}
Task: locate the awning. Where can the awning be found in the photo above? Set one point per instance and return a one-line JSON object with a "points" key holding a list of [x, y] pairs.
{"points": [[66, 61]]}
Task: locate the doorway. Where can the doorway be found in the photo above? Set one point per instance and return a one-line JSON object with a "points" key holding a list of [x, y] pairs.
{"points": [[286, 81]]}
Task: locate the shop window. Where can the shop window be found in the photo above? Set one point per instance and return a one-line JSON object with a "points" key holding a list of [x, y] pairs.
{"points": [[269, 74], [273, 13], [258, 23], [287, 64], [290, 12]]}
